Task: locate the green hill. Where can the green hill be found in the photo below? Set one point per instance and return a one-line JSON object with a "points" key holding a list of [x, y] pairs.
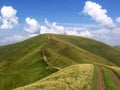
{"points": [[38, 58]]}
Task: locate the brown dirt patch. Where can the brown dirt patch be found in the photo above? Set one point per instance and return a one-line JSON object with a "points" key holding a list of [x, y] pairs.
{"points": [[101, 84]]}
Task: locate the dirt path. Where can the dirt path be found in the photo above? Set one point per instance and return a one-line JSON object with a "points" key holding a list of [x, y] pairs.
{"points": [[117, 80], [45, 59], [101, 84]]}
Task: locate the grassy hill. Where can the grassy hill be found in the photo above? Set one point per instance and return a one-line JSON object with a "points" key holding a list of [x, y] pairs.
{"points": [[37, 58]]}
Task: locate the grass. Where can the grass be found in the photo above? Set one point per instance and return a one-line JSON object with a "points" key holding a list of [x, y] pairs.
{"points": [[110, 84], [117, 47], [116, 70], [22, 63], [72, 53], [75, 77], [95, 47], [94, 83]]}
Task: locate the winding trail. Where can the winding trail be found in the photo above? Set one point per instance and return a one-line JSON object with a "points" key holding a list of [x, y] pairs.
{"points": [[101, 84], [45, 59], [44, 55]]}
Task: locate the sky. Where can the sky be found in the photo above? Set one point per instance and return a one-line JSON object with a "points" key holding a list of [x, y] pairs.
{"points": [[96, 19]]}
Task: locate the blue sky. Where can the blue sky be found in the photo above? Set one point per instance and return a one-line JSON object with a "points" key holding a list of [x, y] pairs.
{"points": [[97, 19]]}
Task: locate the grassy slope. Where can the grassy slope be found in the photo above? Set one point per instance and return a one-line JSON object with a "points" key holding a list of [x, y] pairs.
{"points": [[22, 63], [75, 77], [95, 47], [71, 52]]}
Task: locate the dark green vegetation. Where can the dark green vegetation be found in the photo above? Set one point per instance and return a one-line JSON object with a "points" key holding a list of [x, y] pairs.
{"points": [[38, 59]]}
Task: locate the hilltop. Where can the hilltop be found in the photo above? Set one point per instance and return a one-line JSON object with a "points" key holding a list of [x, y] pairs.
{"points": [[49, 56]]}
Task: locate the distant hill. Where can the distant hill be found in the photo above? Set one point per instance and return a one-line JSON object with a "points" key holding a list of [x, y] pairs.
{"points": [[51, 57], [117, 47]]}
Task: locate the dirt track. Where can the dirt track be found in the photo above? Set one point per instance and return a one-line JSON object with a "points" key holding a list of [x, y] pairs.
{"points": [[101, 84], [45, 59]]}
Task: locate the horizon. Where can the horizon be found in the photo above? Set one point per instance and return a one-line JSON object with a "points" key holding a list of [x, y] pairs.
{"points": [[95, 19]]}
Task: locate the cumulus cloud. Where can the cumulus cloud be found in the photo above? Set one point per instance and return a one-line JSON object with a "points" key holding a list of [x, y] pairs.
{"points": [[85, 34], [72, 31], [52, 28], [8, 17], [98, 14], [12, 39], [118, 20], [107, 36], [32, 25], [47, 23], [34, 28], [33, 35]]}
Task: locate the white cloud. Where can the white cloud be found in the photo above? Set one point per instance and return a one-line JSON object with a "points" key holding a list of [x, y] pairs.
{"points": [[58, 28], [12, 39], [72, 31], [8, 18], [98, 14], [85, 34], [44, 29], [47, 22], [33, 35], [32, 26], [105, 35], [52, 28], [118, 20]]}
